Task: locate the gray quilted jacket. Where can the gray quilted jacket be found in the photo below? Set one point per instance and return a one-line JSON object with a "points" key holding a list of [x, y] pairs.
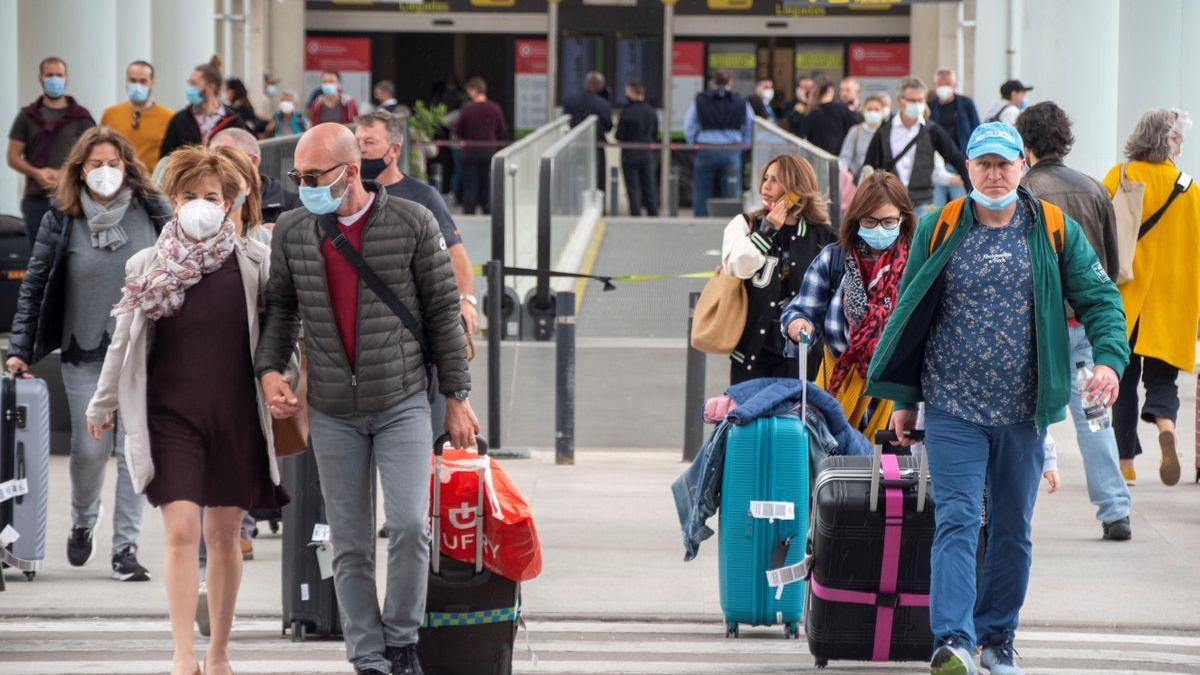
{"points": [[402, 243]]}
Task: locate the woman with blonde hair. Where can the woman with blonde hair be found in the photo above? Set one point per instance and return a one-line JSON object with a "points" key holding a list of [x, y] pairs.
{"points": [[850, 290], [105, 211], [770, 248], [1162, 301], [199, 436]]}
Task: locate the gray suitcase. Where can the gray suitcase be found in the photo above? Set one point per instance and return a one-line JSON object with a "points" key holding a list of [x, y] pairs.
{"points": [[24, 472]]}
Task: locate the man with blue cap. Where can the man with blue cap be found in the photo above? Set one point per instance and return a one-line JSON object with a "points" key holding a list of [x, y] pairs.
{"points": [[979, 335]]}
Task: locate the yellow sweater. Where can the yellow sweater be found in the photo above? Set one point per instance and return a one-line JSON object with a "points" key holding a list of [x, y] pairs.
{"points": [[148, 136], [1163, 299]]}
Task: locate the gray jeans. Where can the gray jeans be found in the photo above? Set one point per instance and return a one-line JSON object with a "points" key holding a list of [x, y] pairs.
{"points": [[89, 458], [398, 440]]}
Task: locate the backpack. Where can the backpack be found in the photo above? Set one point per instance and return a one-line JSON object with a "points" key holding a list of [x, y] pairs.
{"points": [[948, 220]]}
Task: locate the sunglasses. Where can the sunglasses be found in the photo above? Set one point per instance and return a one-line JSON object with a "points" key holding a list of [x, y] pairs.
{"points": [[310, 178], [886, 223]]}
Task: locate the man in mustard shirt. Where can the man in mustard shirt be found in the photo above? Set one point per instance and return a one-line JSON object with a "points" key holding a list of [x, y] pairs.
{"points": [[140, 119]]}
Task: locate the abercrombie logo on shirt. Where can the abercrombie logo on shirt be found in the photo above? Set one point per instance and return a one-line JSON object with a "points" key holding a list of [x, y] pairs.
{"points": [[1000, 258]]}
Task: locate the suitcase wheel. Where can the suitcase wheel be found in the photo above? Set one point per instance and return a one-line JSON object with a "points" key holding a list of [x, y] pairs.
{"points": [[30, 575], [299, 631], [822, 663], [791, 631], [274, 524], [731, 630]]}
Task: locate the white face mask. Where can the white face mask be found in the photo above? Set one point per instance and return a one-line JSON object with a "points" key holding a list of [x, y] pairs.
{"points": [[287, 107], [767, 95], [944, 92], [105, 181], [200, 219], [873, 118], [914, 111]]}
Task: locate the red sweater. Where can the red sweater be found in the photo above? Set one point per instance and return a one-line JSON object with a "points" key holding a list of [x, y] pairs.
{"points": [[343, 284]]}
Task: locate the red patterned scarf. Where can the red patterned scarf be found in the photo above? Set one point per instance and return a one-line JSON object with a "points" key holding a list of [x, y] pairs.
{"points": [[885, 275]]}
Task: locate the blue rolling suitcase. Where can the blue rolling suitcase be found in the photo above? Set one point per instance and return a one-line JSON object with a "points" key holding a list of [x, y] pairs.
{"points": [[764, 522]]}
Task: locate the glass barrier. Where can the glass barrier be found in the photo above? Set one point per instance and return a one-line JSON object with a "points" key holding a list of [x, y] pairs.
{"points": [[770, 141], [514, 199], [570, 202]]}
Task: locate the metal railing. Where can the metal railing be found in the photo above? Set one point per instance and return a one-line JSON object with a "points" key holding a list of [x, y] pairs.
{"points": [[769, 141], [514, 198]]}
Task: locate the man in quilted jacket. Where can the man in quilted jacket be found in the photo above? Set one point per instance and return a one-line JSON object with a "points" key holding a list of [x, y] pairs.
{"points": [[367, 378]]}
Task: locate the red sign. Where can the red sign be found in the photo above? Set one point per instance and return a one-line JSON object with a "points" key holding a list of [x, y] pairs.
{"points": [[532, 56], [687, 58], [337, 53], [879, 59]]}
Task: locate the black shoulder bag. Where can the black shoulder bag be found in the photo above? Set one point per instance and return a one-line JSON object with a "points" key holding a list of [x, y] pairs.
{"points": [[329, 226]]}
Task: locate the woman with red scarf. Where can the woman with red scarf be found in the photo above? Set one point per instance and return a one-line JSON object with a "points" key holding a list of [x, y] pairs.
{"points": [[850, 290]]}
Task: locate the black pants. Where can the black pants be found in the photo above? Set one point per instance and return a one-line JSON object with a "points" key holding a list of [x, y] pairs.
{"points": [[32, 210], [639, 183], [1162, 400], [476, 183]]}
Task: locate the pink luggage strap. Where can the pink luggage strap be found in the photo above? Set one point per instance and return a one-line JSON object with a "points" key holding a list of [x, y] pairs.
{"points": [[886, 600]]}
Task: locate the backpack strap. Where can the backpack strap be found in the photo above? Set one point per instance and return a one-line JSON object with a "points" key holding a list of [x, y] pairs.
{"points": [[947, 221], [1055, 226]]}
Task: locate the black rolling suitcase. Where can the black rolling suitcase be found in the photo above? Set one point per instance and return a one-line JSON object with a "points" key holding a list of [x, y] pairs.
{"points": [[14, 258], [471, 614], [870, 544]]}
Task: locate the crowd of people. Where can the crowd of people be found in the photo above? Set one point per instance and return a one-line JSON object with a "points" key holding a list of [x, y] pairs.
{"points": [[130, 277], [980, 315]]}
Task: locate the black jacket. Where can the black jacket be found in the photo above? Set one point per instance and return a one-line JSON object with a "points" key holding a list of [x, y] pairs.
{"points": [[638, 124], [586, 103], [276, 199], [38, 324], [182, 129], [402, 243], [930, 139], [828, 125]]}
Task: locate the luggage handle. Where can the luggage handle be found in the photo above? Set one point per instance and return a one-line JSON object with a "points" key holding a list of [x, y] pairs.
{"points": [[888, 436], [804, 347], [435, 555]]}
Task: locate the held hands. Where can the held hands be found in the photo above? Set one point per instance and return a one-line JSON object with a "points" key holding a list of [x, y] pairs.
{"points": [[795, 328], [281, 400], [461, 423], [1104, 386], [97, 430], [902, 422]]}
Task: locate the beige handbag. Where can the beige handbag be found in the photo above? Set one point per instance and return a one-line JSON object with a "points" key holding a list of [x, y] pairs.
{"points": [[1127, 203], [720, 315]]}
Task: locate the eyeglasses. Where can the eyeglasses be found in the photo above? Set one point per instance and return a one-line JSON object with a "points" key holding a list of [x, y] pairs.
{"points": [[886, 223], [310, 178]]}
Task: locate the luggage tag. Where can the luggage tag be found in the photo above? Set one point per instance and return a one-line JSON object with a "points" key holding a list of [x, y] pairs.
{"points": [[13, 488], [773, 511], [323, 549], [8, 536], [780, 578]]}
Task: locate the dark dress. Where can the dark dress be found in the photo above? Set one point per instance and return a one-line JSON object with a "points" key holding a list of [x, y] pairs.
{"points": [[202, 403]]}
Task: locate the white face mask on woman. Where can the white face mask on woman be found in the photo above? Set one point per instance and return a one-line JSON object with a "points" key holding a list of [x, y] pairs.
{"points": [[200, 219], [104, 181]]}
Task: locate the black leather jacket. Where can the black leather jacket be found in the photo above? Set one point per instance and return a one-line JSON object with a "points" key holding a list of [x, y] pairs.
{"points": [[37, 325]]}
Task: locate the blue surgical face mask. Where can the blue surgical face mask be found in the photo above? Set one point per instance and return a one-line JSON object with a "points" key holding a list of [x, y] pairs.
{"points": [[998, 204], [54, 86], [193, 94], [138, 93], [272, 90], [320, 200], [879, 237], [329, 89]]}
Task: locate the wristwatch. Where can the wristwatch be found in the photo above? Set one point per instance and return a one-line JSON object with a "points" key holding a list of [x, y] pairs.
{"points": [[462, 394], [469, 298]]}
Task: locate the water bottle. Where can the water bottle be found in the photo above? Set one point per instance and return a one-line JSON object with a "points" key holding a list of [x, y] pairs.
{"points": [[1098, 417]]}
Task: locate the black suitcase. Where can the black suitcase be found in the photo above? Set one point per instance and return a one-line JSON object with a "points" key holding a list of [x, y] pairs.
{"points": [[471, 614], [14, 259], [310, 606], [858, 607]]}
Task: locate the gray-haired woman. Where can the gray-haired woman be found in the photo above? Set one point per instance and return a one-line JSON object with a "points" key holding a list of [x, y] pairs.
{"points": [[1162, 301]]}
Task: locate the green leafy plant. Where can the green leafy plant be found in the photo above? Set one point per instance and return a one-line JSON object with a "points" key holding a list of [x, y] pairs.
{"points": [[426, 120]]}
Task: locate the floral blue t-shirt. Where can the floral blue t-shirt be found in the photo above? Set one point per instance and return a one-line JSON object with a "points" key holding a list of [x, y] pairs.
{"points": [[980, 364]]}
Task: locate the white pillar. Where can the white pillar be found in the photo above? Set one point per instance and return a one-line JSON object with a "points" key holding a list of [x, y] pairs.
{"points": [[286, 44], [11, 182], [182, 39], [133, 21], [74, 32]]}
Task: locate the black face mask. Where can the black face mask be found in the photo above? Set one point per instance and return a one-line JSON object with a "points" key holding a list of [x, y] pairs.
{"points": [[371, 168]]}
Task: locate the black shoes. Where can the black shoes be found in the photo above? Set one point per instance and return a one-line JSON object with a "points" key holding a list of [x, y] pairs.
{"points": [[80, 545], [126, 567], [1118, 530], [404, 660]]}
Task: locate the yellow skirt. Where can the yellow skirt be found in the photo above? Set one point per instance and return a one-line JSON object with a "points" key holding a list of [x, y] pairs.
{"points": [[854, 402]]}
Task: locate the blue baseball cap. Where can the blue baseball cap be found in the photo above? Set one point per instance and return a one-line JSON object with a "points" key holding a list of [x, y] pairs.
{"points": [[995, 138]]}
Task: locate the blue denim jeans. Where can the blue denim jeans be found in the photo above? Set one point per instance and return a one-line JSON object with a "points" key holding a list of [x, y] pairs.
{"points": [[1106, 485], [964, 457], [714, 167]]}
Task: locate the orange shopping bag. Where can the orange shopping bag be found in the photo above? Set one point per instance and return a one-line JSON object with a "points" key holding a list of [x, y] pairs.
{"points": [[510, 541]]}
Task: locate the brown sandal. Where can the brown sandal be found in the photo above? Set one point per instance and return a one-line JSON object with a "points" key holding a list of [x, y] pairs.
{"points": [[1168, 469]]}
